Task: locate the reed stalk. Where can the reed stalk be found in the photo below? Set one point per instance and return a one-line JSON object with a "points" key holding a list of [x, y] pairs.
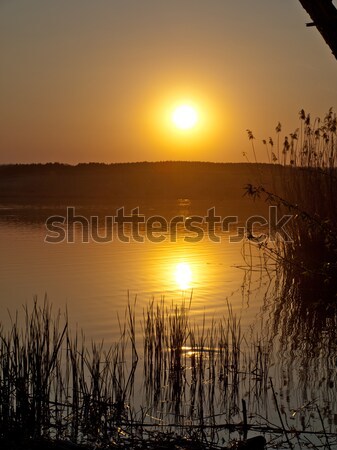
{"points": [[56, 387]]}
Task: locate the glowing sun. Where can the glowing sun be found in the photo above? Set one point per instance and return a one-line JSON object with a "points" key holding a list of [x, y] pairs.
{"points": [[185, 117]]}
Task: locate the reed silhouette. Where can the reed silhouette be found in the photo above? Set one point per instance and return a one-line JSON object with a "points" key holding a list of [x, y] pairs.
{"points": [[56, 389], [305, 307]]}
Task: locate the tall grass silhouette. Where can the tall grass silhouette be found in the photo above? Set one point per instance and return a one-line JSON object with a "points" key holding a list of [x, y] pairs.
{"points": [[304, 185], [54, 386], [195, 388]]}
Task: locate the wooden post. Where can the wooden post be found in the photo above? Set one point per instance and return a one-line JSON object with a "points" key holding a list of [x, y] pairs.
{"points": [[323, 13]]}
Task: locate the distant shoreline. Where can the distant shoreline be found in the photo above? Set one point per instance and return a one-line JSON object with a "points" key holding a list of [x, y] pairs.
{"points": [[41, 188]]}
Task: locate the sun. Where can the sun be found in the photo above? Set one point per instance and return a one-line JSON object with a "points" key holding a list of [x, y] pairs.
{"points": [[185, 117]]}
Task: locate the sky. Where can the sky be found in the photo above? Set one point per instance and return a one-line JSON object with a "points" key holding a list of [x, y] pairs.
{"points": [[98, 80]]}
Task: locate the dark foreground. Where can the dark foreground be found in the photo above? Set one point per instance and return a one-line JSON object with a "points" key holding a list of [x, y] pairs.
{"points": [[163, 442]]}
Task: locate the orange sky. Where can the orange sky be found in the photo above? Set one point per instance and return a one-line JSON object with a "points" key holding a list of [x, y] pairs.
{"points": [[86, 80]]}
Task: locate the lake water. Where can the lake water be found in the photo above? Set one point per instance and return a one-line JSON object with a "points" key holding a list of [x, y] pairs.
{"points": [[94, 282]]}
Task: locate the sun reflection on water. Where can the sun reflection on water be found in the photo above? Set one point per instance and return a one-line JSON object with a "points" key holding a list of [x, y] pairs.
{"points": [[183, 276]]}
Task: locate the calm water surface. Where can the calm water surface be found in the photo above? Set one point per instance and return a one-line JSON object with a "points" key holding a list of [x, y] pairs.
{"points": [[94, 281]]}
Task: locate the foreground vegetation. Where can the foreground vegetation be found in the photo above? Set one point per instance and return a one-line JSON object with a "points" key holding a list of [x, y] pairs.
{"points": [[197, 387], [306, 189]]}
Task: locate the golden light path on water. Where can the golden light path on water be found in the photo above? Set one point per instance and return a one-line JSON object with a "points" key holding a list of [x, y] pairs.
{"points": [[108, 276], [183, 276]]}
